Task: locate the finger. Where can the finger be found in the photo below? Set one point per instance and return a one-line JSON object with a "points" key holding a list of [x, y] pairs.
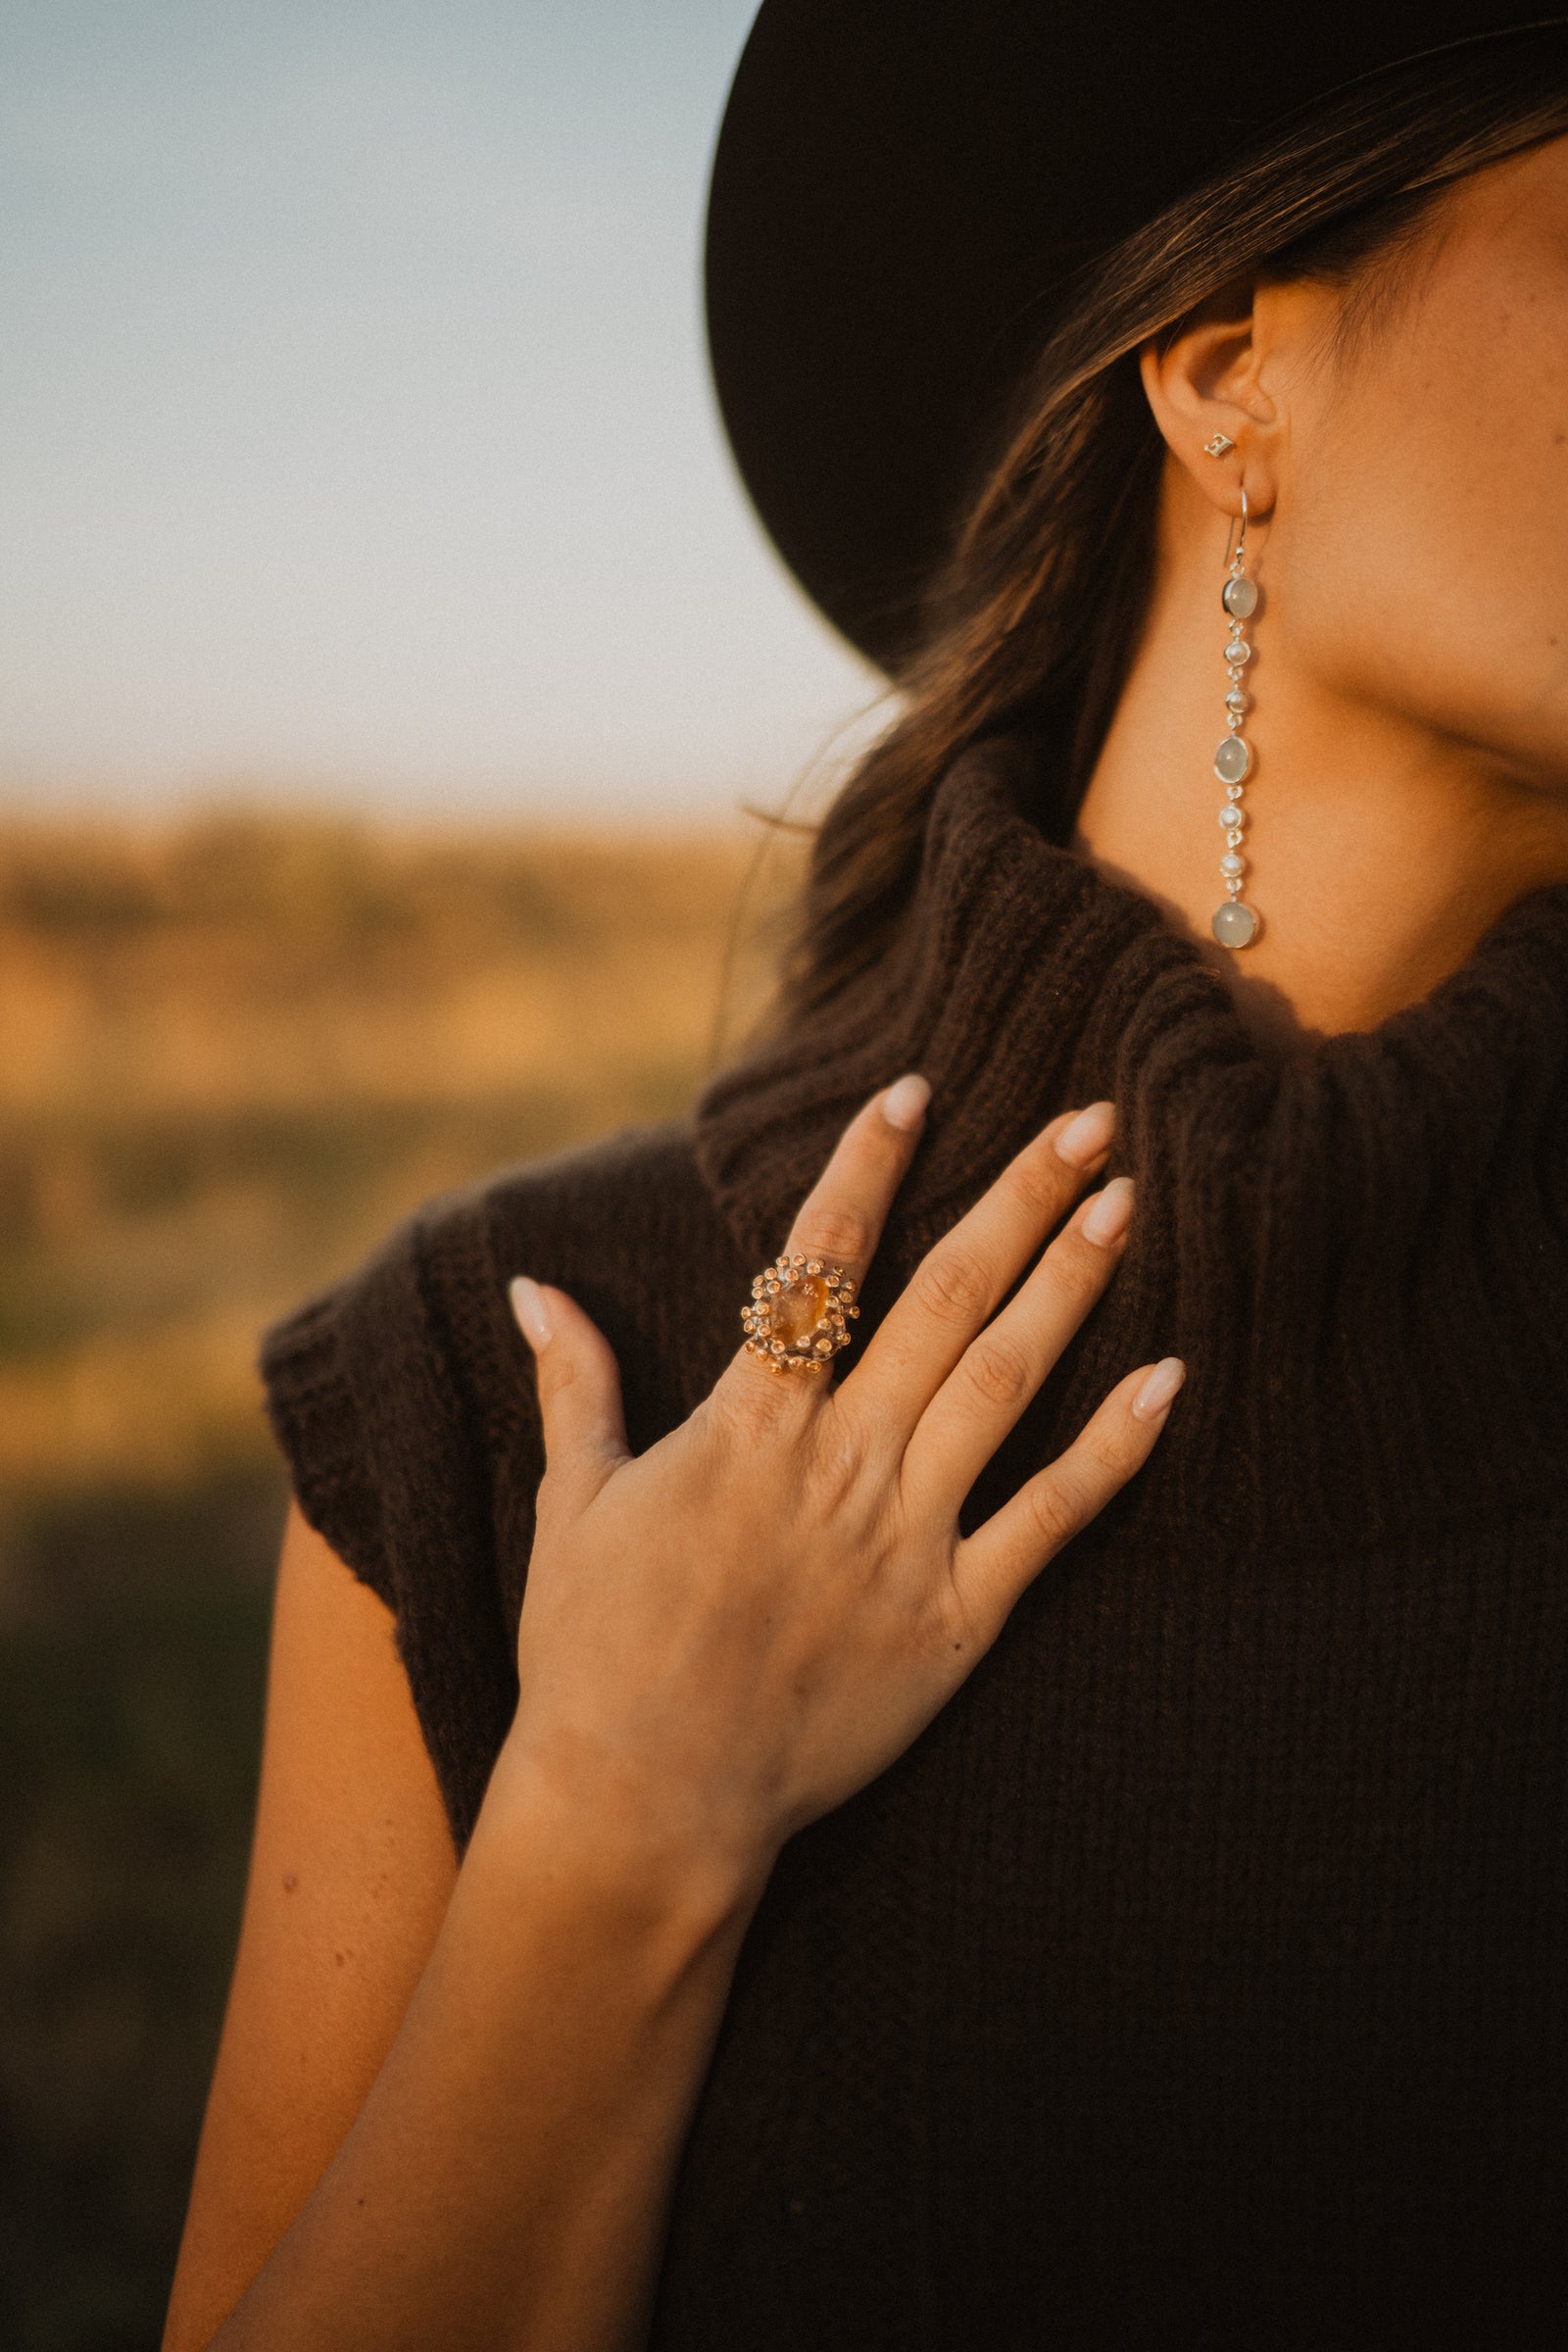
{"points": [[839, 1222], [1000, 1369], [580, 1390], [995, 1564], [842, 1216], [958, 1285]]}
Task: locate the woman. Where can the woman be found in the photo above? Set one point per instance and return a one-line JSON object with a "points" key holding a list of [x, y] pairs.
{"points": [[963, 1868]]}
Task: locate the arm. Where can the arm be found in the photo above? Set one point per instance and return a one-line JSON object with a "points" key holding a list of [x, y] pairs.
{"points": [[351, 1872], [720, 1641], [350, 1932]]}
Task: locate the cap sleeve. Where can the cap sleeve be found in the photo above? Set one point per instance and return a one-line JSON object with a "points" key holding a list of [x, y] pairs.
{"points": [[371, 1389], [309, 1405]]}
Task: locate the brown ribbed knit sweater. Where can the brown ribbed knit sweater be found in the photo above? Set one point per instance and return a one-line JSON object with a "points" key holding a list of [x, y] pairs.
{"points": [[1200, 1977]]}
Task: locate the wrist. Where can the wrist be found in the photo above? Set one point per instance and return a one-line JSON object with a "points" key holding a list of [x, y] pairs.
{"points": [[598, 1824]]}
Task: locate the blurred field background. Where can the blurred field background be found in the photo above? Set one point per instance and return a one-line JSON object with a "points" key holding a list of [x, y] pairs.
{"points": [[357, 453], [234, 1048]]}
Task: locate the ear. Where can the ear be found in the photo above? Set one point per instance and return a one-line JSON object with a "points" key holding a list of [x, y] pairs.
{"points": [[1204, 377]]}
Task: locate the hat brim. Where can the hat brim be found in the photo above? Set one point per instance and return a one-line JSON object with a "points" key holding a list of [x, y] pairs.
{"points": [[900, 192]]}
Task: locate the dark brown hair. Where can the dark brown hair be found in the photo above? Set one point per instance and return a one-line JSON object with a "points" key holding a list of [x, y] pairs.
{"points": [[1037, 617]]}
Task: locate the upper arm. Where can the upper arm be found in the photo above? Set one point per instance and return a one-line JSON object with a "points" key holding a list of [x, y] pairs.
{"points": [[351, 1868]]}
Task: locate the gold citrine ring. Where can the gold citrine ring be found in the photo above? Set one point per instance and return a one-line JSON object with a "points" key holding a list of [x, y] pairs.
{"points": [[800, 1312]]}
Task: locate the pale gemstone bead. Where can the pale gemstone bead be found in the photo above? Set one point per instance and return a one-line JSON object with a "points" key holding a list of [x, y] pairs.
{"points": [[1230, 818], [1233, 759], [1230, 863], [1237, 650], [1234, 924], [1237, 700], [1241, 598]]}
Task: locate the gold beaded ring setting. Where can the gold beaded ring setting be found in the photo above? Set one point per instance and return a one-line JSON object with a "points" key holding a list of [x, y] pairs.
{"points": [[800, 1312]]}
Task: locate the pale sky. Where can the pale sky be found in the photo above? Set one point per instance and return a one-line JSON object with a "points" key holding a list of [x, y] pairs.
{"points": [[354, 430]]}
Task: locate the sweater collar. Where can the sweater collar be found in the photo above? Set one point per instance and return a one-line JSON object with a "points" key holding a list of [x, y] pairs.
{"points": [[1359, 1247]]}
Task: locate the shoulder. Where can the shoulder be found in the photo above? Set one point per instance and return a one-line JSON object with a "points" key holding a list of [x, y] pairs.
{"points": [[601, 1215], [619, 1223], [403, 1400], [419, 1337]]}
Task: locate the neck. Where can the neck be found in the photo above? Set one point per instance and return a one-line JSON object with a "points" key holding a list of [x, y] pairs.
{"points": [[1378, 853]]}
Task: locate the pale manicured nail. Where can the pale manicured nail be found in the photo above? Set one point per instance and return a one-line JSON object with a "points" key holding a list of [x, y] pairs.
{"points": [[904, 1104], [1106, 1217], [1160, 1388], [1084, 1137], [529, 1305]]}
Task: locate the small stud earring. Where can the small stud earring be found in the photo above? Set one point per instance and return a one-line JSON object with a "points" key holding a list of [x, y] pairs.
{"points": [[1218, 446], [1235, 925]]}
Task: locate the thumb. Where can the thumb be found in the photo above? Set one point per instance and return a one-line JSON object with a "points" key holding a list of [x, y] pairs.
{"points": [[580, 1390]]}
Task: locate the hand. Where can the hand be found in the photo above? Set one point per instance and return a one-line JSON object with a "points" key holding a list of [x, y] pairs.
{"points": [[732, 1633]]}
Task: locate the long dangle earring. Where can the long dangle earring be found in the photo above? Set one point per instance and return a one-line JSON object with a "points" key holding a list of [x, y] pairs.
{"points": [[1236, 925]]}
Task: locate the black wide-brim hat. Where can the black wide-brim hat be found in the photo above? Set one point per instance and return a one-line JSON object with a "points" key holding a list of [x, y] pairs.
{"points": [[901, 186]]}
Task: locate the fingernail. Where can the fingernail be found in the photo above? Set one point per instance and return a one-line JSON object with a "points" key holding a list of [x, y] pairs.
{"points": [[904, 1104], [1106, 1217], [1084, 1137], [1160, 1388], [529, 1305]]}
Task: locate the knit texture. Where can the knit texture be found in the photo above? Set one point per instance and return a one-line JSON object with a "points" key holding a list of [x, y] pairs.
{"points": [[1197, 1979]]}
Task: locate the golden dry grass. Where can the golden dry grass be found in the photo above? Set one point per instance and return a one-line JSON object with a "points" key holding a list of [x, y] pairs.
{"points": [[234, 1049]]}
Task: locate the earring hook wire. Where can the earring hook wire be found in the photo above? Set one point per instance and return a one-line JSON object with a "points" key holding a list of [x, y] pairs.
{"points": [[1241, 544]]}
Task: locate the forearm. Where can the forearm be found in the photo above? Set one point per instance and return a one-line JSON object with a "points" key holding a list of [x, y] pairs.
{"points": [[506, 2182]]}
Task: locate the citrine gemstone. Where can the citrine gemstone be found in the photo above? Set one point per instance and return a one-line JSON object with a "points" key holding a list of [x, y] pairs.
{"points": [[799, 1308]]}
